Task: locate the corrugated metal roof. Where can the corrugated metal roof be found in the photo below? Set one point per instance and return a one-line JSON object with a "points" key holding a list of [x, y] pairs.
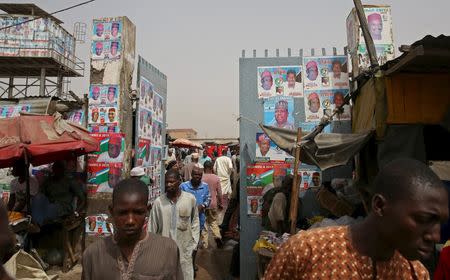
{"points": [[38, 104], [428, 55]]}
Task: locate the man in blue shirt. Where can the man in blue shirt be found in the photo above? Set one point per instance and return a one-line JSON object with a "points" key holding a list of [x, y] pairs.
{"points": [[201, 192]]}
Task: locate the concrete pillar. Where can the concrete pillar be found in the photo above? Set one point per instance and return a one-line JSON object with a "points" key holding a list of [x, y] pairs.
{"points": [[42, 83], [11, 87]]}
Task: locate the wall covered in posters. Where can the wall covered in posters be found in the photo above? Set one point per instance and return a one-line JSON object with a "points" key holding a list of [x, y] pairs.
{"points": [[150, 124]]}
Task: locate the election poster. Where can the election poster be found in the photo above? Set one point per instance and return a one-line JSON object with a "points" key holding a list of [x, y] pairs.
{"points": [[103, 177], [146, 94], [109, 127], [156, 156], [106, 29], [278, 112], [107, 95], [267, 150], [157, 127], [76, 116], [325, 72], [310, 126], [158, 107], [280, 81], [385, 52], [320, 102], [103, 114], [310, 175], [10, 111], [254, 201], [143, 152], [260, 178], [145, 123], [98, 225], [106, 50], [379, 20], [112, 147]]}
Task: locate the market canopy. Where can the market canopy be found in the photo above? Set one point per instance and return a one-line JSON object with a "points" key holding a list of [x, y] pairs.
{"points": [[185, 143], [325, 150], [43, 139]]}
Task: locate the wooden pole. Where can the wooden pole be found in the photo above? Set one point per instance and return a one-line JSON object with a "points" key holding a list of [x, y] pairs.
{"points": [[294, 193], [365, 30]]}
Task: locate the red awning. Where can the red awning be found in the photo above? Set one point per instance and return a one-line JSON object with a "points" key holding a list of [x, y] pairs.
{"points": [[44, 139]]}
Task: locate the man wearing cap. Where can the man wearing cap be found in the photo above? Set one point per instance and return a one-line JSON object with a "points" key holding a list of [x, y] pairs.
{"points": [[312, 71], [338, 75], [94, 115], [266, 80], [264, 149], [375, 26], [114, 29], [112, 114], [187, 169], [114, 49], [291, 86], [139, 173], [99, 49], [95, 95], [314, 103], [99, 29], [114, 153], [281, 116], [114, 176]]}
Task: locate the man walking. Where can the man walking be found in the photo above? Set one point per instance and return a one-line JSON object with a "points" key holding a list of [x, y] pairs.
{"points": [[223, 167], [408, 206], [175, 215], [211, 212], [131, 253], [201, 192], [187, 169]]}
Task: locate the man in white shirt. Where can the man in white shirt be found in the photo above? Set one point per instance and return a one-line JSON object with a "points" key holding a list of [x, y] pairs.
{"points": [[114, 153], [223, 167], [264, 150]]}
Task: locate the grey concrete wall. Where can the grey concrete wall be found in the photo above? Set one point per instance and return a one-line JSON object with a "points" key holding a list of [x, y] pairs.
{"points": [[250, 107]]}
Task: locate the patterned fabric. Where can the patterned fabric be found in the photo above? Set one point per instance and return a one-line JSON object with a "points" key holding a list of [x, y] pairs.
{"points": [[327, 253]]}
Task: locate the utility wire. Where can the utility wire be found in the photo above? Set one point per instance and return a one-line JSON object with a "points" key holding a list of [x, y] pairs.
{"points": [[59, 11]]}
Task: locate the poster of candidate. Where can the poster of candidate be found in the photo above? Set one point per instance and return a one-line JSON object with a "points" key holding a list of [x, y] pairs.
{"points": [[325, 72], [311, 176], [316, 102], [98, 128], [98, 225], [266, 150], [379, 21], [157, 128], [145, 123], [106, 50], [280, 81], [156, 157], [262, 174], [102, 114], [103, 177], [107, 95], [76, 116], [106, 30], [158, 107], [278, 112], [146, 94], [143, 152], [10, 111], [112, 147], [254, 201]]}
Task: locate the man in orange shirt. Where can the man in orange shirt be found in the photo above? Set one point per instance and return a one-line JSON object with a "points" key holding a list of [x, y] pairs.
{"points": [[408, 206]]}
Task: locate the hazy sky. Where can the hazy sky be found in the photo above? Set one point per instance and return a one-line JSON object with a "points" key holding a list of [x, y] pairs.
{"points": [[197, 43]]}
